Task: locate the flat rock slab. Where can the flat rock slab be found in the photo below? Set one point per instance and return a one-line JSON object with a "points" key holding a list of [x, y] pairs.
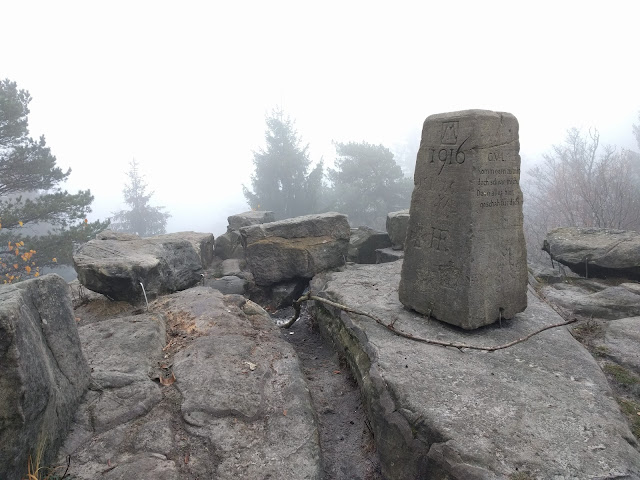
{"points": [[542, 407], [235, 404], [384, 255], [252, 217], [597, 252], [610, 303]]}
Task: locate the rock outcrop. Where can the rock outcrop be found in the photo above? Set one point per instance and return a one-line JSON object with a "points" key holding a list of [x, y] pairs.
{"points": [[363, 244], [534, 410], [621, 341], [596, 252], [296, 247], [592, 299], [115, 264], [43, 371], [202, 386], [397, 224]]}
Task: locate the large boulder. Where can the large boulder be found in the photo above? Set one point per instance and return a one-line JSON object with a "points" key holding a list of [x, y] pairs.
{"points": [[397, 224], [203, 243], [596, 252], [43, 371], [363, 244], [115, 265], [296, 247], [541, 408]]}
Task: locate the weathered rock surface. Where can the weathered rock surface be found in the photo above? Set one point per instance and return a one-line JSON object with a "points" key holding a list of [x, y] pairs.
{"points": [[115, 265], [232, 266], [229, 284], [542, 407], [203, 243], [245, 219], [296, 247], [238, 408], [607, 303], [43, 371], [397, 224], [548, 274], [622, 342], [608, 253], [364, 242], [228, 245]]}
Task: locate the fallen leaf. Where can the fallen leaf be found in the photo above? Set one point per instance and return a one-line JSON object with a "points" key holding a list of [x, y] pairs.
{"points": [[186, 458], [168, 380], [284, 412], [337, 372]]}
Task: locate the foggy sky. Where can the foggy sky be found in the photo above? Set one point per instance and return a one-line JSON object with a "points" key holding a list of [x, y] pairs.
{"points": [[185, 87]]}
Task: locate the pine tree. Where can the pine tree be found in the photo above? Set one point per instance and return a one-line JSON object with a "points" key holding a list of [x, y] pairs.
{"points": [[33, 207], [367, 184], [141, 218], [282, 182]]}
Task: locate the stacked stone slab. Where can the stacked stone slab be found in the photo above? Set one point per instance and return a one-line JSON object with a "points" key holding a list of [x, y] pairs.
{"points": [[296, 247], [465, 256], [229, 244]]}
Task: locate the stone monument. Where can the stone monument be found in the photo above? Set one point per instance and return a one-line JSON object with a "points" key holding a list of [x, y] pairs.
{"points": [[465, 255]]}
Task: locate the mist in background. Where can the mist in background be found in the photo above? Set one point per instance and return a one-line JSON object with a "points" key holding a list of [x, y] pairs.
{"points": [[184, 89]]}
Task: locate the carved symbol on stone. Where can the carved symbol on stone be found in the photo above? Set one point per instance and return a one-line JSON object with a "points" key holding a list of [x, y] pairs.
{"points": [[508, 256], [448, 155], [495, 156], [439, 239], [449, 133]]}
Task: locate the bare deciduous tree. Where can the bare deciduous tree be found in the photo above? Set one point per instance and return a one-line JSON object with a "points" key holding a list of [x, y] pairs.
{"points": [[580, 184]]}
